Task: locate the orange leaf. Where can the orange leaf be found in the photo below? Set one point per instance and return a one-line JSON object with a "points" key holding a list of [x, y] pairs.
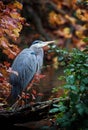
{"points": [[18, 5], [7, 64], [34, 92], [15, 5], [14, 14]]}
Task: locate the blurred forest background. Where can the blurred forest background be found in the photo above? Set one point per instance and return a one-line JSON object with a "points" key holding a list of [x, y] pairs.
{"points": [[23, 21]]}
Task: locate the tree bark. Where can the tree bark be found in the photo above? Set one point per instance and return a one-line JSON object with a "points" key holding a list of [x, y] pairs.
{"points": [[35, 112]]}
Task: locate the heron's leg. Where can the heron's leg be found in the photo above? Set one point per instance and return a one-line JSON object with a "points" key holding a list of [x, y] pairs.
{"points": [[30, 85], [25, 98], [27, 89], [35, 80]]}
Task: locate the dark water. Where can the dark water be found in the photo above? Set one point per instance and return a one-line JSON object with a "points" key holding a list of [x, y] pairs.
{"points": [[49, 82]]}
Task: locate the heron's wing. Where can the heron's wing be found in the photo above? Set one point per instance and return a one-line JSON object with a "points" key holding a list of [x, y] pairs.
{"points": [[25, 64]]}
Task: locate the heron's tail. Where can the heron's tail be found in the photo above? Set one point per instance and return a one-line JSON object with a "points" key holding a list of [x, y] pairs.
{"points": [[12, 98]]}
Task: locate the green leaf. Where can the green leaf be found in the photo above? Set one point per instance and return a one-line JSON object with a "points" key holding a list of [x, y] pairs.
{"points": [[70, 79], [54, 110], [85, 80], [60, 58], [64, 121], [74, 88], [67, 71], [55, 105], [86, 65], [82, 88], [67, 86], [80, 108], [62, 108]]}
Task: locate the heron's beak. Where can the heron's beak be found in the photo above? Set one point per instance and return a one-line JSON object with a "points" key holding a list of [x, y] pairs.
{"points": [[46, 43]]}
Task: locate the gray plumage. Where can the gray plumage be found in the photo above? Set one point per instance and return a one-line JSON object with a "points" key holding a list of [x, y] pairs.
{"points": [[26, 64]]}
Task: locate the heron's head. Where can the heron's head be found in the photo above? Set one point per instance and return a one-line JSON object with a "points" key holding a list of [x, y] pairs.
{"points": [[41, 44]]}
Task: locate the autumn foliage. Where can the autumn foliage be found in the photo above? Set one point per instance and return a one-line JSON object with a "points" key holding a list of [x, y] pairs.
{"points": [[71, 23], [11, 24]]}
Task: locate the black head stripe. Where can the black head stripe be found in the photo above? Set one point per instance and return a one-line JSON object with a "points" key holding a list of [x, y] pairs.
{"points": [[36, 42]]}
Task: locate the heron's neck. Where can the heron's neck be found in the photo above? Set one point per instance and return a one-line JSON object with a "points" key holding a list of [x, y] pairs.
{"points": [[36, 51], [39, 53]]}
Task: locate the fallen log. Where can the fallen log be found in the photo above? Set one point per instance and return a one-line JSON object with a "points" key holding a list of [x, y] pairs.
{"points": [[27, 113]]}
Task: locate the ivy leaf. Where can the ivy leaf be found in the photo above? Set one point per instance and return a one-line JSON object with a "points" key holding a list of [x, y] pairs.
{"points": [[54, 110], [85, 80], [74, 88], [60, 58], [55, 105], [70, 79], [80, 108]]}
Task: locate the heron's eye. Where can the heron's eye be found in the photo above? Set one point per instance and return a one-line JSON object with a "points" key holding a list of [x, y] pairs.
{"points": [[37, 41]]}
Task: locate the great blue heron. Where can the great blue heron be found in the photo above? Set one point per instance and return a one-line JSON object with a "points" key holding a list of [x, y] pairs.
{"points": [[26, 64]]}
